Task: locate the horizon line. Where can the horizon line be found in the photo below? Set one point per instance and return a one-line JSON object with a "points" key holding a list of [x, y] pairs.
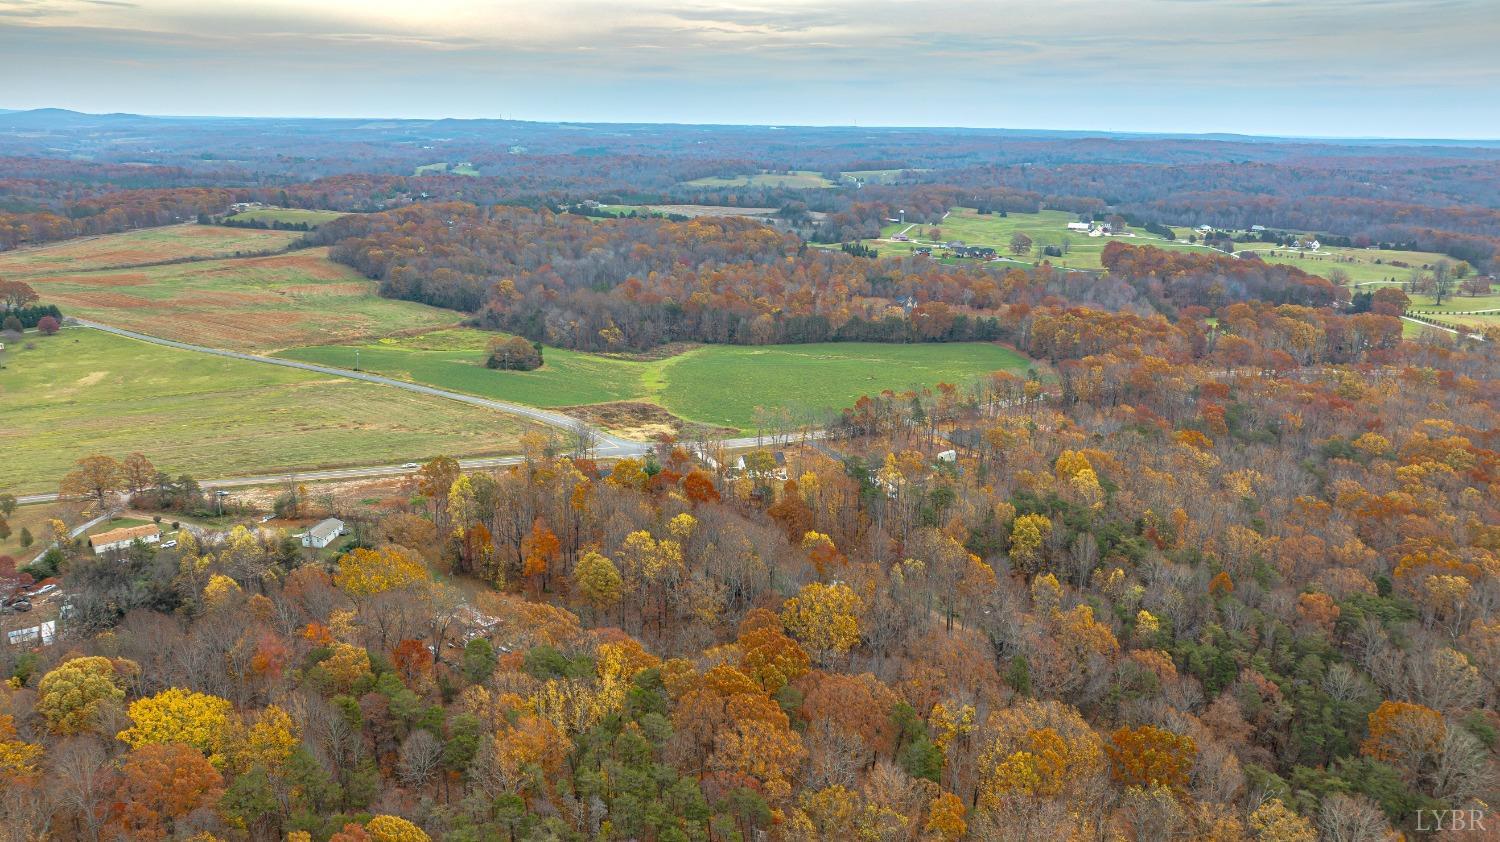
{"points": [[1206, 134]]}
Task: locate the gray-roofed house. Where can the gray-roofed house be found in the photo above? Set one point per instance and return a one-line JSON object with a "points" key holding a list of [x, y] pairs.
{"points": [[323, 533]]}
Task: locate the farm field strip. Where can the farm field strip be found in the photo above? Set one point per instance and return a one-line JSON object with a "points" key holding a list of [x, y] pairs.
{"points": [[795, 178], [993, 230], [720, 385], [313, 218], [687, 210], [89, 391], [446, 168], [276, 301], [1364, 266], [1083, 252], [143, 246]]}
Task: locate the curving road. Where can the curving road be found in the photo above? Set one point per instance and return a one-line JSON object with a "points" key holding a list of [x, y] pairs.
{"points": [[604, 445]]}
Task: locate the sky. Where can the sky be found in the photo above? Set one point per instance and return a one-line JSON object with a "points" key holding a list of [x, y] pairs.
{"points": [[1327, 68]]}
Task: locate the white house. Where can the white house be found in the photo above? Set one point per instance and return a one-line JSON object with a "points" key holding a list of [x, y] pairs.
{"points": [[322, 534], [777, 472], [119, 539], [949, 456], [1079, 226]]}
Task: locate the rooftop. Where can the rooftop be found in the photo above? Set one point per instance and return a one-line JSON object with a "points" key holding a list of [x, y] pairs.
{"points": [[124, 533], [327, 528]]}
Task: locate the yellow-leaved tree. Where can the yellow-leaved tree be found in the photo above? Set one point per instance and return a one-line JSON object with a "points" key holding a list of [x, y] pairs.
{"points": [[394, 829], [1026, 536], [71, 696], [347, 665], [597, 580], [221, 592], [205, 722], [1273, 821], [270, 739], [825, 618], [364, 573], [17, 757]]}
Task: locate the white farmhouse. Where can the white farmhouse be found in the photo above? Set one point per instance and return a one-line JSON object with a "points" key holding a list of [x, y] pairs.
{"points": [[322, 534]]}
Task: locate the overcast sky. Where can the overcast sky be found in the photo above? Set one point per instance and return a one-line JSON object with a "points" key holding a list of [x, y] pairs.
{"points": [[1395, 68]]}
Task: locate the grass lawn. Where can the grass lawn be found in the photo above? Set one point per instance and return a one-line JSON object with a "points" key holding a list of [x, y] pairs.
{"points": [[255, 303], [313, 218], [1048, 228], [34, 518], [116, 523], [713, 384], [794, 178], [83, 392], [133, 248]]}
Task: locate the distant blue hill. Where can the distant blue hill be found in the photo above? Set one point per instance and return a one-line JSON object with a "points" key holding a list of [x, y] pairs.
{"points": [[62, 119]]}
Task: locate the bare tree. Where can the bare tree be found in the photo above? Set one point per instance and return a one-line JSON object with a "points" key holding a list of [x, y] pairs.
{"points": [[81, 770], [1352, 818], [420, 755]]}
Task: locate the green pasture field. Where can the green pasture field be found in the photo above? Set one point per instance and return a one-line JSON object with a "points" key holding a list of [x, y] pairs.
{"points": [[1477, 322], [454, 359], [313, 218], [1044, 228], [133, 248], [795, 178], [723, 384], [877, 176], [84, 392], [1364, 266], [713, 384], [443, 167], [258, 303], [1455, 303]]}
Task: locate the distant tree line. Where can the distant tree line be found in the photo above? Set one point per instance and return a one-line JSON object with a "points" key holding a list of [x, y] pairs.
{"points": [[261, 224]]}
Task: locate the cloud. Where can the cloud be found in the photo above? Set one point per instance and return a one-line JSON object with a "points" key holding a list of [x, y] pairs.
{"points": [[1138, 64]]}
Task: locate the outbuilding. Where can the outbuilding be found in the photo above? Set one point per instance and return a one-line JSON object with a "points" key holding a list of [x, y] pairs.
{"points": [[119, 539]]}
